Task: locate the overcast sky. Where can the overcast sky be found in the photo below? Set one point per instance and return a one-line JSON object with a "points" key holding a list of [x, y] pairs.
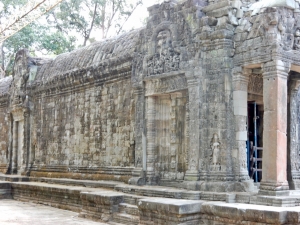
{"points": [[140, 14]]}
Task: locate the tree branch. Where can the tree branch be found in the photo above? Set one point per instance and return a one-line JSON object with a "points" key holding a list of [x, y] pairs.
{"points": [[89, 31], [121, 27]]}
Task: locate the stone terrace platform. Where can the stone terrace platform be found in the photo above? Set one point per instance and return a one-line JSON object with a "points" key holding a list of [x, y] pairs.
{"points": [[119, 203]]}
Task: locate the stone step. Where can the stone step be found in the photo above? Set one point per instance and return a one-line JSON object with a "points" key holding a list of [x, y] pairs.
{"points": [[13, 178], [100, 205], [124, 218], [58, 196], [72, 182], [170, 211], [173, 184], [160, 191], [128, 209], [5, 190], [131, 199]]}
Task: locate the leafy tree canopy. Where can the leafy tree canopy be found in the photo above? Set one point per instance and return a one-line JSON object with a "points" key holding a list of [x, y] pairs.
{"points": [[59, 30], [104, 17]]}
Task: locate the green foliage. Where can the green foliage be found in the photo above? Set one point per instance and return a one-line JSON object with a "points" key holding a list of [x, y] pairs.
{"points": [[106, 17], [52, 36], [39, 39]]}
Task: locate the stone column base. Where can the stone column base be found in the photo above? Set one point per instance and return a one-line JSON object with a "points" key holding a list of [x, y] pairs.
{"points": [[138, 177], [274, 188], [153, 180], [191, 175], [294, 185]]}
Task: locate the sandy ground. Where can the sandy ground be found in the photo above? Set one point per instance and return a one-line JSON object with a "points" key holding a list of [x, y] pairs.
{"points": [[21, 213]]}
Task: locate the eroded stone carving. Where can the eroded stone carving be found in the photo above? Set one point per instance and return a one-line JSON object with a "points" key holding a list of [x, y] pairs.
{"points": [[255, 85], [166, 58], [215, 153], [297, 39]]}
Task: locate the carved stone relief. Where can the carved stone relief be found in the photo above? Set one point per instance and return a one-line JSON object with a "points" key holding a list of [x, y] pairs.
{"points": [[255, 85], [297, 39], [294, 127], [166, 57], [137, 70], [286, 28], [215, 146]]}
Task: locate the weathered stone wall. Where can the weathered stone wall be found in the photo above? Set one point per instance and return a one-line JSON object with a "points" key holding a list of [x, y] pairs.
{"points": [[4, 123], [4, 142], [83, 113], [85, 127]]}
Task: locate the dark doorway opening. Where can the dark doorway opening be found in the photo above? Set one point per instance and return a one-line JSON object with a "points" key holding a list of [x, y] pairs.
{"points": [[255, 141]]}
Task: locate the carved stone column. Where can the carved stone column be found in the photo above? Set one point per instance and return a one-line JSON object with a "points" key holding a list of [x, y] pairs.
{"points": [[26, 147], [15, 148], [293, 141], [151, 143], [192, 173], [240, 95], [274, 169]]}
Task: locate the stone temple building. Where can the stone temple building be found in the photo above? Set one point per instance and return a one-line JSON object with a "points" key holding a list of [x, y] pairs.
{"points": [[192, 119]]}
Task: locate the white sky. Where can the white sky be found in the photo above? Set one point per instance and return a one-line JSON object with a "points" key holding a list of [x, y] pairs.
{"points": [[136, 19]]}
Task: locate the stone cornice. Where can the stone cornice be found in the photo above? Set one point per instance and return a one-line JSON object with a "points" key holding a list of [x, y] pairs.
{"points": [[92, 74]]}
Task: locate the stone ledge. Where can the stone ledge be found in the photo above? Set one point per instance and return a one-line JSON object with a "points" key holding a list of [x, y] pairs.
{"points": [[254, 213], [169, 211], [73, 182], [100, 205], [5, 190], [13, 178], [178, 207]]}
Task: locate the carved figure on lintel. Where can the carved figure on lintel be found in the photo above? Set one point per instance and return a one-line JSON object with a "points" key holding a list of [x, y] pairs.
{"points": [[297, 39], [215, 153]]}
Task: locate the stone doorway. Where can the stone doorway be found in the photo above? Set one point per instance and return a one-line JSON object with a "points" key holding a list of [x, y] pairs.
{"points": [[255, 140], [168, 136], [18, 152], [171, 140], [18, 146]]}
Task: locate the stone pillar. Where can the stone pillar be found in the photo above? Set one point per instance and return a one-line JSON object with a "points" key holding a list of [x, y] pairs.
{"points": [[240, 105], [15, 148], [274, 169], [151, 144], [293, 140], [192, 173], [140, 150]]}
